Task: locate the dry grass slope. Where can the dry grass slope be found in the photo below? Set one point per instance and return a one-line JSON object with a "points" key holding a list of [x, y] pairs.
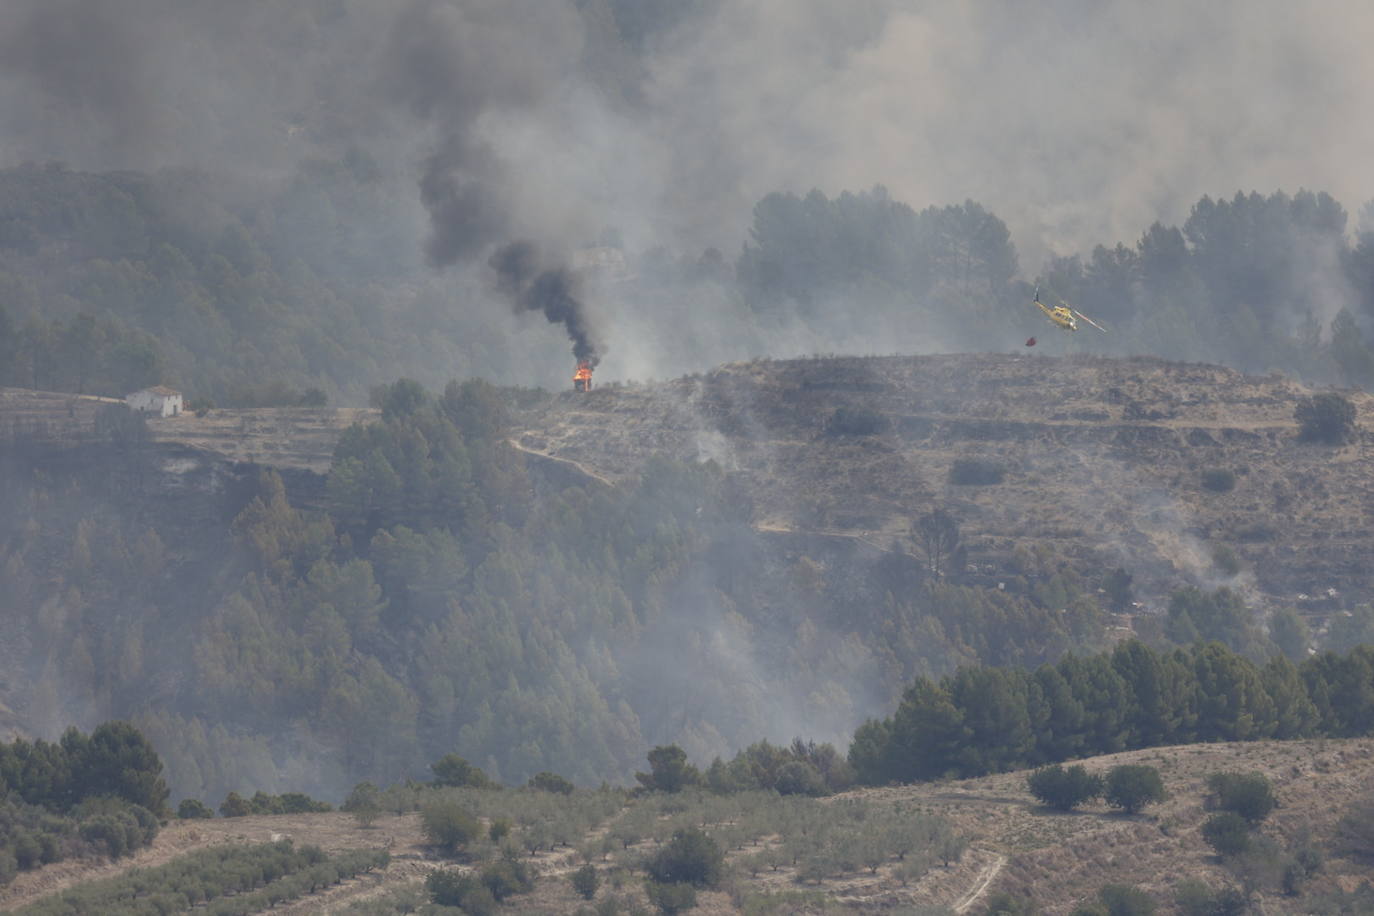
{"points": [[1103, 460]]}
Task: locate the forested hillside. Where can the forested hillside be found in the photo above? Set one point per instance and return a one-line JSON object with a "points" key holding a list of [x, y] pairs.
{"points": [[237, 293], [439, 598], [831, 508], [444, 602], [443, 597], [310, 287]]}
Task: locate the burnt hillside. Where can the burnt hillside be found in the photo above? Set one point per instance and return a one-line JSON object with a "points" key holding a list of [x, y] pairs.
{"points": [[1101, 461]]}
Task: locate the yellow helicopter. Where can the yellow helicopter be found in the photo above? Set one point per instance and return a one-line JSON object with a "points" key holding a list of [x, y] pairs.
{"points": [[1066, 318]]}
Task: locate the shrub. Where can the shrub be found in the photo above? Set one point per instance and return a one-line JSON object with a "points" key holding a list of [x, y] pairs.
{"points": [[1117, 585], [671, 898], [262, 803], [451, 888], [551, 782], [312, 397], [951, 846], [1003, 903], [9, 867], [1195, 898], [452, 770], [1355, 833], [110, 825], [856, 421], [585, 881], [27, 850], [1133, 786], [1308, 858], [364, 803], [1328, 418], [52, 851], [235, 805], [107, 832], [976, 472], [1228, 833], [191, 808], [507, 878], [1124, 900], [691, 857], [1248, 794], [1225, 560], [147, 823], [1304, 860], [797, 777], [1293, 879], [1064, 789], [449, 825], [300, 803], [1219, 480]]}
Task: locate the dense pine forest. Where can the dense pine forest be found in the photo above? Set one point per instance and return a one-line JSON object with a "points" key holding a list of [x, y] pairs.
{"points": [[981, 720]]}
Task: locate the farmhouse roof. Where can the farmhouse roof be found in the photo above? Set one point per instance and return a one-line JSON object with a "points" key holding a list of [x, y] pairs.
{"points": [[162, 390]]}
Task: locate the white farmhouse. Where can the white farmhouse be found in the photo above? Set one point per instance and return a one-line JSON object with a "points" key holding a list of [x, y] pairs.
{"points": [[158, 400]]}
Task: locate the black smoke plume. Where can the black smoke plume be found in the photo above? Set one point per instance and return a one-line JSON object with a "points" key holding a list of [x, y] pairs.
{"points": [[551, 290], [453, 63], [465, 211]]}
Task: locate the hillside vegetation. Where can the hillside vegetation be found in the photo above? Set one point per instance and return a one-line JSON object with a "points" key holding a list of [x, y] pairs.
{"points": [[946, 847], [1104, 462], [440, 594], [446, 600], [310, 286]]}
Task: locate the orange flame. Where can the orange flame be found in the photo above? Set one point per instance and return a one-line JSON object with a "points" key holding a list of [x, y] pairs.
{"points": [[582, 378]]}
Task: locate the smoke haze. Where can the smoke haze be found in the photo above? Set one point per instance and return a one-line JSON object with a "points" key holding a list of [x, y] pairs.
{"points": [[495, 141], [1073, 121]]}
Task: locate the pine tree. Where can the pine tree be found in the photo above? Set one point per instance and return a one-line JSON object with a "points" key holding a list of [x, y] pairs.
{"points": [[927, 733], [1295, 716]]}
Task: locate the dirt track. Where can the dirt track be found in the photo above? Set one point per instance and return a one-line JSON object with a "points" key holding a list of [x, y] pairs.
{"points": [[985, 879]]}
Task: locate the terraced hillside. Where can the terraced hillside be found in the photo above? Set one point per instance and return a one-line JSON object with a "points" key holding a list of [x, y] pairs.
{"points": [[287, 438], [1015, 845], [1101, 460]]}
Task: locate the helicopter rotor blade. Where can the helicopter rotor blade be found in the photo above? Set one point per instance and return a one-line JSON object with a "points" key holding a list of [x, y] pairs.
{"points": [[1090, 321]]}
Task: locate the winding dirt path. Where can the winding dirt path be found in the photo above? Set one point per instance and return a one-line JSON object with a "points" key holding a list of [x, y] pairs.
{"points": [[574, 466], [980, 887]]}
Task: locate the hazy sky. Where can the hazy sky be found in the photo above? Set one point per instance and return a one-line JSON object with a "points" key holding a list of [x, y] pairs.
{"points": [[1076, 122]]}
